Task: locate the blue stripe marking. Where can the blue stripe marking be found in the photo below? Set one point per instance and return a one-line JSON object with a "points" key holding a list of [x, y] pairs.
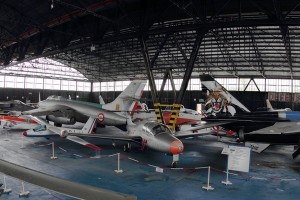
{"points": [[41, 135], [293, 115]]}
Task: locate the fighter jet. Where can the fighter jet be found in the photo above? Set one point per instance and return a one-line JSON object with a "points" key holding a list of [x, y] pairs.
{"points": [[153, 135], [258, 129], [66, 111]]}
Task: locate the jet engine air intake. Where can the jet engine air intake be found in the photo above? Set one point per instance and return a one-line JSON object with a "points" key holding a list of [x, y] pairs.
{"points": [[63, 133]]}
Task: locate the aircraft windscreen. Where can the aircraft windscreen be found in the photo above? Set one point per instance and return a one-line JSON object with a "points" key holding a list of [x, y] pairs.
{"points": [[39, 128], [159, 129]]}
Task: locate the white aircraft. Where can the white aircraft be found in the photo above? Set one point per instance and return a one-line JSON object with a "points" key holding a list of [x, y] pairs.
{"points": [[45, 129], [15, 122], [144, 133], [65, 111]]}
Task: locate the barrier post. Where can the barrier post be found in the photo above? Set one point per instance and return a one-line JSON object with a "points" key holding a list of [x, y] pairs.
{"points": [[227, 182], [24, 193], [53, 156], [22, 143], [5, 190], [119, 170], [208, 187], [6, 138]]}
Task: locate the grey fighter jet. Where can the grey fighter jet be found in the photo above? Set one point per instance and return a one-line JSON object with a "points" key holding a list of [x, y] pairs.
{"points": [[66, 111]]}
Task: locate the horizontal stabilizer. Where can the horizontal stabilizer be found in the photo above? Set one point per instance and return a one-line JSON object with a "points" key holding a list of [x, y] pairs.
{"points": [[83, 142], [257, 147]]}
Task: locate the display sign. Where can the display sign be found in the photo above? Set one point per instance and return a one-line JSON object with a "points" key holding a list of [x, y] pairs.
{"points": [[239, 158]]}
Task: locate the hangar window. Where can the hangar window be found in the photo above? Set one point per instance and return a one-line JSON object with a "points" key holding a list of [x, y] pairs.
{"points": [[2, 81], [229, 83], [83, 86], [96, 86], [296, 86], [68, 85], [194, 84], [14, 82], [34, 83], [107, 86], [121, 85], [279, 85], [246, 84], [51, 84]]}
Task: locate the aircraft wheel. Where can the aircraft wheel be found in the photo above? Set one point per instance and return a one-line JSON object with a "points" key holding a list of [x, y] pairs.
{"points": [[174, 164]]}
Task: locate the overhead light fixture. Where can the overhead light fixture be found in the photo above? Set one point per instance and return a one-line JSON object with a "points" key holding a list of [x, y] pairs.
{"points": [[52, 4]]}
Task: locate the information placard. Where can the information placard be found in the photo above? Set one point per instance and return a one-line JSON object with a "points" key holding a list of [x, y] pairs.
{"points": [[239, 158]]}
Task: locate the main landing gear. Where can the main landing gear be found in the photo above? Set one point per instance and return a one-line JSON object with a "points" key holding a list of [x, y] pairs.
{"points": [[127, 147]]}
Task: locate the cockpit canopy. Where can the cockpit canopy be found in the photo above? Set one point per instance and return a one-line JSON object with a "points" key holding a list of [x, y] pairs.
{"points": [[55, 97], [40, 128], [155, 128]]}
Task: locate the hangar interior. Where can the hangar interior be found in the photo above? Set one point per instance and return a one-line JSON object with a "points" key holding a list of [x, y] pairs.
{"points": [[107, 41], [84, 49]]}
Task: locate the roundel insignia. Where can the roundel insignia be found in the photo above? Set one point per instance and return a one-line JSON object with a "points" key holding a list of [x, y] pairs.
{"points": [[101, 117]]}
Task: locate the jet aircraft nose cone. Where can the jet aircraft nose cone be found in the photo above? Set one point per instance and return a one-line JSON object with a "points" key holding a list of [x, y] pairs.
{"points": [[176, 147], [25, 133]]}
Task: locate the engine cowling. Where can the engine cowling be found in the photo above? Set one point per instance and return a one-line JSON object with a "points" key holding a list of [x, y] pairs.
{"points": [[63, 133], [61, 120]]}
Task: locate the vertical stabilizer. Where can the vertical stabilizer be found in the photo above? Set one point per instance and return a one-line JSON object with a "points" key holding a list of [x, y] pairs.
{"points": [[213, 86], [89, 126], [101, 101], [269, 105], [130, 95]]}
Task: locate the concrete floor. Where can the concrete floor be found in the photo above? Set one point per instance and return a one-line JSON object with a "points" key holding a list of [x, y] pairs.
{"points": [[273, 174]]}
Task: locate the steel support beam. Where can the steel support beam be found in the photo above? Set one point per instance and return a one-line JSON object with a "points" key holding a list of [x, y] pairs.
{"points": [[190, 64], [150, 76]]}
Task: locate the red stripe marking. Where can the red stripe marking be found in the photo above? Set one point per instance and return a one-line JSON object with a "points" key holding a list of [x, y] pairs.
{"points": [[134, 108], [93, 147], [17, 119]]}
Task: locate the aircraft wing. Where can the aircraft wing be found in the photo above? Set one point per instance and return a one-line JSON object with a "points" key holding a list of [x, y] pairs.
{"points": [[280, 128], [204, 128], [47, 111], [120, 137]]}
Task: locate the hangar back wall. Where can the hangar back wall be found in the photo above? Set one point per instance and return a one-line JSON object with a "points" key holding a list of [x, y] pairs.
{"points": [[251, 100]]}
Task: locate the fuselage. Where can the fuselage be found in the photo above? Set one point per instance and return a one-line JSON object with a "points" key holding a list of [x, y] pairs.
{"points": [[83, 110], [157, 136]]}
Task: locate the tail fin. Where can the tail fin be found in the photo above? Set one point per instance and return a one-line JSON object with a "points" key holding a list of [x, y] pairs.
{"points": [[89, 126], [269, 105], [125, 100], [213, 86], [101, 101]]}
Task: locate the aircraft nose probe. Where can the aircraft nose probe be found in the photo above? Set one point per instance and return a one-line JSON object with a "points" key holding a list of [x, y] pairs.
{"points": [[176, 147]]}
